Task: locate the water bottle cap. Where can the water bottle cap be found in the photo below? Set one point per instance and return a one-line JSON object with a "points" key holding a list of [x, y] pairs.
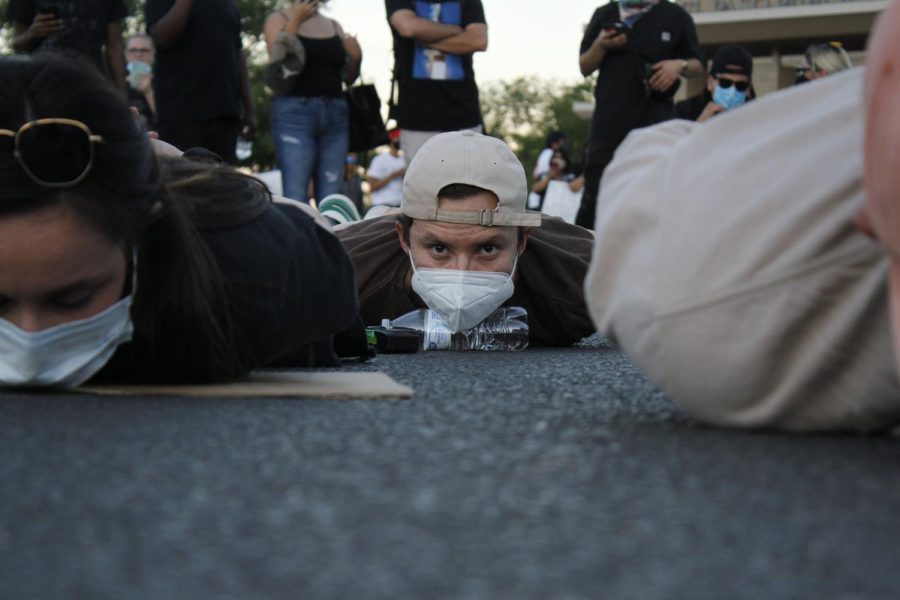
{"points": [[386, 323]]}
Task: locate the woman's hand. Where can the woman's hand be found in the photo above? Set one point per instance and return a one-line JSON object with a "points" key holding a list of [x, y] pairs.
{"points": [[300, 11]]}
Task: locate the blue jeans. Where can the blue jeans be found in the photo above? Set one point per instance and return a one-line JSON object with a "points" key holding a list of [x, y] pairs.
{"points": [[311, 136]]}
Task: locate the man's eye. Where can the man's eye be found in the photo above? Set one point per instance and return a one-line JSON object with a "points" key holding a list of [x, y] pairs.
{"points": [[489, 249], [438, 248], [72, 301]]}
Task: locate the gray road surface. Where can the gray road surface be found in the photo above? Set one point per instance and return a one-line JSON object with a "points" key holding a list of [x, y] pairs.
{"points": [[558, 474]]}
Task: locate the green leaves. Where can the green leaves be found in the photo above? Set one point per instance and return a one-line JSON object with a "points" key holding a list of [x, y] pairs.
{"points": [[524, 110]]}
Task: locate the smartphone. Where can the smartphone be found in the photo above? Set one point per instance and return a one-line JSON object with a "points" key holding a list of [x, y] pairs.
{"points": [[48, 8], [618, 26]]}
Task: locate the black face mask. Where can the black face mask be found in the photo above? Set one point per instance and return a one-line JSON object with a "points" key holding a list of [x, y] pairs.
{"points": [[800, 79]]}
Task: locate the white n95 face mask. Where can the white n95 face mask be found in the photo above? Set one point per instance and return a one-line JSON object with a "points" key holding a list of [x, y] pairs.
{"points": [[66, 355], [462, 298]]}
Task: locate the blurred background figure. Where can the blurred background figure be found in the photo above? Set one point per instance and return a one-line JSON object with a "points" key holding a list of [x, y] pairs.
{"points": [[385, 175], [310, 123], [822, 60], [560, 169], [728, 86], [139, 56], [200, 80], [556, 140], [72, 26], [352, 186]]}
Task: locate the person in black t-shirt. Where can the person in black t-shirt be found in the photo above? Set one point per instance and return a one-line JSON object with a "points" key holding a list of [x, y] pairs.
{"points": [[433, 46], [200, 79], [83, 27], [728, 86], [641, 49]]}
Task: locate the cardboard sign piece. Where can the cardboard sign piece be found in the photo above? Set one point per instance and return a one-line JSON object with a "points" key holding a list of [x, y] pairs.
{"points": [[282, 384]]}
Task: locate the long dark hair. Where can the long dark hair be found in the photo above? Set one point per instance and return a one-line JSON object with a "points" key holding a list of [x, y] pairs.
{"points": [[181, 311]]}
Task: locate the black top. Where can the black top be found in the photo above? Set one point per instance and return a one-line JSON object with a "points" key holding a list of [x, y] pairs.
{"points": [[291, 287], [321, 75], [196, 79], [623, 101], [691, 108], [437, 91], [138, 100], [85, 24]]}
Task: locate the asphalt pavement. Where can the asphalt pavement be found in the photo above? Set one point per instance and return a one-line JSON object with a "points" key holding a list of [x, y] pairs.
{"points": [[553, 473]]}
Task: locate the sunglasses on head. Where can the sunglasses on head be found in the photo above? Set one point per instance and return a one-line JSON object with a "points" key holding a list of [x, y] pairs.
{"points": [[740, 86], [54, 153]]}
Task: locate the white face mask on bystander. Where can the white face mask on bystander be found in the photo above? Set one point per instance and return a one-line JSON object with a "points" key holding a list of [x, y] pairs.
{"points": [[462, 298]]}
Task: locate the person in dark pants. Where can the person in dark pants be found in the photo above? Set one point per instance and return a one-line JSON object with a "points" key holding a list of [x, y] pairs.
{"points": [[641, 49], [200, 79]]}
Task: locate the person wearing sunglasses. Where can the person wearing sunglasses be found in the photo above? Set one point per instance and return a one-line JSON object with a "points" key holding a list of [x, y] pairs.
{"points": [[728, 86], [118, 264]]}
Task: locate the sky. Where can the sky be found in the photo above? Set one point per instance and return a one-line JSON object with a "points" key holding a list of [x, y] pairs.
{"points": [[525, 38]]}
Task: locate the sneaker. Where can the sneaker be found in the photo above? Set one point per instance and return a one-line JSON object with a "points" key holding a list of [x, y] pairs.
{"points": [[338, 208]]}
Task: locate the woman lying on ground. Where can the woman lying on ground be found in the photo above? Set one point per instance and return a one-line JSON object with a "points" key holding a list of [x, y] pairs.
{"points": [[117, 264]]}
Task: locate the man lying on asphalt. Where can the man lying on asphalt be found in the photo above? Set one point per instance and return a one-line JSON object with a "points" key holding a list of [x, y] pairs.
{"points": [[734, 274], [463, 212]]}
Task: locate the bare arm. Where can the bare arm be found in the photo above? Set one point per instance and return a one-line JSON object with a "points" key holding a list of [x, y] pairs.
{"points": [[288, 21], [376, 184], [25, 36], [354, 52], [667, 72], [474, 38], [409, 25], [354, 55], [590, 59], [115, 55], [167, 31]]}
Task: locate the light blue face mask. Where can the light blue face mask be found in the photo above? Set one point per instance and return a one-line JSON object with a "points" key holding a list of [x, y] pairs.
{"points": [[136, 71], [729, 97], [66, 355]]}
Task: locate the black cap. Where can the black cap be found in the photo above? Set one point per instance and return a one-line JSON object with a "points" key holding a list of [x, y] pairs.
{"points": [[734, 59]]}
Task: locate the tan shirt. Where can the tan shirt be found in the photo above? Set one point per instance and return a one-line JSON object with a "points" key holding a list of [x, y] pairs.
{"points": [[550, 272], [728, 267]]}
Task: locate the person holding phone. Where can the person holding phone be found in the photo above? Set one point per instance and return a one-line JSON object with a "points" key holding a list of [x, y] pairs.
{"points": [[641, 49], [85, 28]]}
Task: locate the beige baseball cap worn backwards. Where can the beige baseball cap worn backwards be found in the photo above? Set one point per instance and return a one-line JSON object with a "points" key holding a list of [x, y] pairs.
{"points": [[468, 158]]}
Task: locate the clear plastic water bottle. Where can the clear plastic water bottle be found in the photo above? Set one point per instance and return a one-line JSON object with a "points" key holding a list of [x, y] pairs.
{"points": [[506, 329]]}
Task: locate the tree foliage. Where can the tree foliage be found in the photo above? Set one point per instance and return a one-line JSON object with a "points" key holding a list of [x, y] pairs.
{"points": [[524, 110]]}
